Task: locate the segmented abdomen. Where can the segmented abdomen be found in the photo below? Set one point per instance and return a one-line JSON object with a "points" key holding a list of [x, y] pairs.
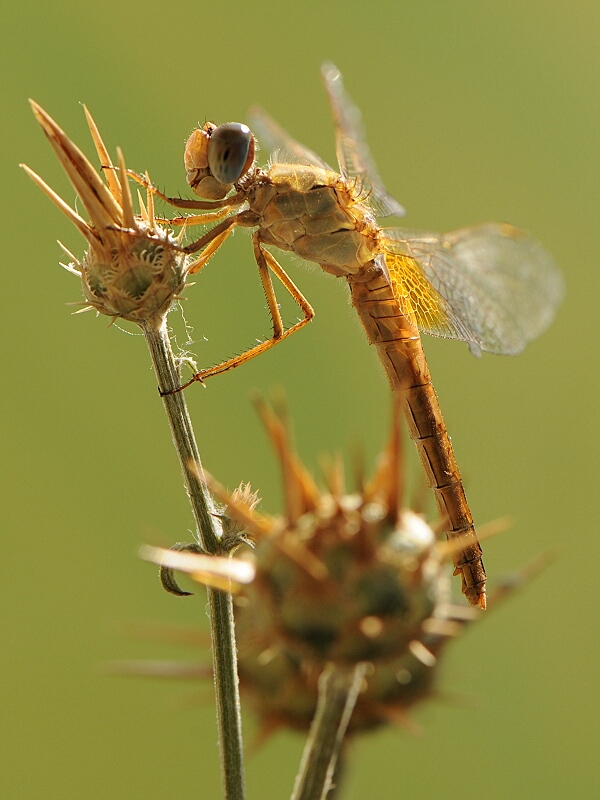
{"points": [[398, 343]]}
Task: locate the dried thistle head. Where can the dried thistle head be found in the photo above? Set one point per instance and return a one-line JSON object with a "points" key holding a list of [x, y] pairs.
{"points": [[133, 267], [340, 577], [343, 577]]}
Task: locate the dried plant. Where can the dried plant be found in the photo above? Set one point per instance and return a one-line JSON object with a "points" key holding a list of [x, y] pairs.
{"points": [[136, 269], [342, 608]]}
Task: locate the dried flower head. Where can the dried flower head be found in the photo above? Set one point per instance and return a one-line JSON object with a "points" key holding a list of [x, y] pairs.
{"points": [[342, 578], [346, 578], [133, 268]]}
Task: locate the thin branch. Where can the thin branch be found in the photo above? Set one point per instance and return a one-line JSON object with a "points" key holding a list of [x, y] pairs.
{"points": [[338, 690], [209, 535]]}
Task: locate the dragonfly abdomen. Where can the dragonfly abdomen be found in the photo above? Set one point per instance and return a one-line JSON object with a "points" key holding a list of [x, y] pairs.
{"points": [[398, 343]]}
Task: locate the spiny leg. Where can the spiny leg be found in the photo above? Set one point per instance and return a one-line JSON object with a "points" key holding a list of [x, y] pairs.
{"points": [[209, 251], [296, 294], [195, 219], [260, 254], [191, 219], [266, 261], [180, 202], [210, 243]]}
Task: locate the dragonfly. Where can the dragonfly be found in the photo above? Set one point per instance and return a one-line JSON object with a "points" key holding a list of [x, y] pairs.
{"points": [[492, 286]]}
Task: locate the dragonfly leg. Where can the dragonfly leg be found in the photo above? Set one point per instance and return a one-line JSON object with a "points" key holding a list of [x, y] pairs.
{"points": [[265, 278], [181, 202], [195, 219], [214, 234], [266, 263], [218, 237], [297, 295]]}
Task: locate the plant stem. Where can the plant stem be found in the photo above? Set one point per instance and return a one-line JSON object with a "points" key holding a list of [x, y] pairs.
{"points": [[338, 774], [338, 691], [209, 535]]}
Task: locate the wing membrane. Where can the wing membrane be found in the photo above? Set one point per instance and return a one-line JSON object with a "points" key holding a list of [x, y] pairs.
{"points": [[494, 286], [353, 152], [280, 145]]}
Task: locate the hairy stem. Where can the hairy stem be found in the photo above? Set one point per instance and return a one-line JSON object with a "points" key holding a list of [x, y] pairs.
{"points": [[338, 691], [209, 535]]}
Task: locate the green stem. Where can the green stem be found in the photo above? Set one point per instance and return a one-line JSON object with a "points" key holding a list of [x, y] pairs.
{"points": [[209, 535], [338, 691]]}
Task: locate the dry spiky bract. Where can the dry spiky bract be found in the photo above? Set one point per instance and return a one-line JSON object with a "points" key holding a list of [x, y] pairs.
{"points": [[133, 268], [342, 578]]}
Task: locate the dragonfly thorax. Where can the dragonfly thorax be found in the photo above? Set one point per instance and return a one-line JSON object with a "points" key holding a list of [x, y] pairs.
{"points": [[313, 213]]}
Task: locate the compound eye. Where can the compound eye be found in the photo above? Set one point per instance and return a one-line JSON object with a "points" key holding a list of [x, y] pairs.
{"points": [[230, 152]]}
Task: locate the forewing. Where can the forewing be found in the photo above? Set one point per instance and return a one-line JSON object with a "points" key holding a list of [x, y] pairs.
{"points": [[353, 152], [495, 286], [282, 148]]}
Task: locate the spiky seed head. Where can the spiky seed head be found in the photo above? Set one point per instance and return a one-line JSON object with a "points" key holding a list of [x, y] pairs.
{"points": [[136, 275], [376, 585], [133, 268], [282, 688], [343, 577]]}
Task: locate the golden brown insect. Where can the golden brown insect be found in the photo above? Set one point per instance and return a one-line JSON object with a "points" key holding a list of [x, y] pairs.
{"points": [[492, 286]]}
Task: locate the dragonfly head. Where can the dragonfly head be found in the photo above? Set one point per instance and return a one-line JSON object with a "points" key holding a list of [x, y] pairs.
{"points": [[216, 157]]}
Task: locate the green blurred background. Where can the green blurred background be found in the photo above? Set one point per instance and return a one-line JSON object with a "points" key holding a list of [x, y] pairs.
{"points": [[476, 111]]}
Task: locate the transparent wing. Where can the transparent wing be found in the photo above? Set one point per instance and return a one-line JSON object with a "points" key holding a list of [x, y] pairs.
{"points": [[492, 286], [279, 144], [353, 152]]}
